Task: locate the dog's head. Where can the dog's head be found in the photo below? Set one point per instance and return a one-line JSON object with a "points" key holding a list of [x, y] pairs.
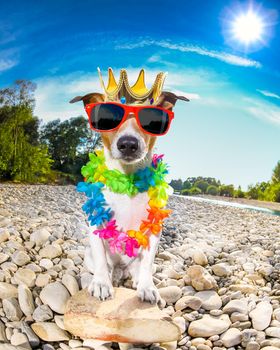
{"points": [[129, 143]]}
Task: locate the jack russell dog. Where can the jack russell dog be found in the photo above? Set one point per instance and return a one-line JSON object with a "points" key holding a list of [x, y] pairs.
{"points": [[127, 148]]}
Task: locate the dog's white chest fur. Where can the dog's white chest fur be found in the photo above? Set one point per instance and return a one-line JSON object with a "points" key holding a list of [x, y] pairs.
{"points": [[127, 211]]}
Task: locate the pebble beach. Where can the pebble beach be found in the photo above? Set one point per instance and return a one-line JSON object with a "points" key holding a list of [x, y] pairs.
{"points": [[217, 271]]}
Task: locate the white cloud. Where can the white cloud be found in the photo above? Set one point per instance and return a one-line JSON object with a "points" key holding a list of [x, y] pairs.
{"points": [[6, 64], [221, 56], [269, 94], [154, 59], [267, 112]]}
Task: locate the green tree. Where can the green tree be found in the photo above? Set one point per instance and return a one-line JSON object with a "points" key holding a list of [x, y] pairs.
{"points": [[239, 193], [276, 174], [202, 185], [212, 190], [176, 184], [21, 158], [69, 143], [187, 185], [21, 93], [227, 190], [195, 191]]}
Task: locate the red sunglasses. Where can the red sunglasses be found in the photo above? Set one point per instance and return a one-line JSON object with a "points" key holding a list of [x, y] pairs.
{"points": [[109, 116]]}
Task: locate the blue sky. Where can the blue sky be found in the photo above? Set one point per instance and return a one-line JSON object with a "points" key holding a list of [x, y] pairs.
{"points": [[231, 128]]}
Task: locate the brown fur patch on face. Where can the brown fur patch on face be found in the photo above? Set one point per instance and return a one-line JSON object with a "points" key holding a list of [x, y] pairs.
{"points": [[107, 138]]}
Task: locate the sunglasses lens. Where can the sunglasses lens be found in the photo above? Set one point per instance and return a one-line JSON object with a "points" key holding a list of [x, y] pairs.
{"points": [[106, 116], [153, 120]]}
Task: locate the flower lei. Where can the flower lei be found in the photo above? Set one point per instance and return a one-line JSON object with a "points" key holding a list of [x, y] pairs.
{"points": [[150, 179]]}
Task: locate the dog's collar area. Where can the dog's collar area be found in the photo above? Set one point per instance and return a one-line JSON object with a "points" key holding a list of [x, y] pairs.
{"points": [[151, 179]]}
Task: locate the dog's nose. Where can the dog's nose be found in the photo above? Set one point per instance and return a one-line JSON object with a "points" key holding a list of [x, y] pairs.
{"points": [[127, 145]]}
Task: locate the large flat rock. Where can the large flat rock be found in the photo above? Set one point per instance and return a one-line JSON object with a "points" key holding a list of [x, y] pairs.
{"points": [[125, 318]]}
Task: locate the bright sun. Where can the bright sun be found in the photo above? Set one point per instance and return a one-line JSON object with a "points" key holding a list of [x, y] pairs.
{"points": [[248, 27]]}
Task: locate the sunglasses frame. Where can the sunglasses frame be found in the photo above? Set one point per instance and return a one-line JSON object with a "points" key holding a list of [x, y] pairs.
{"points": [[127, 110]]}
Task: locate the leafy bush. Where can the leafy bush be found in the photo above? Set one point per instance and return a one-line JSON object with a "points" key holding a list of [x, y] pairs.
{"points": [[239, 193], [227, 190], [195, 190], [202, 185], [212, 190]]}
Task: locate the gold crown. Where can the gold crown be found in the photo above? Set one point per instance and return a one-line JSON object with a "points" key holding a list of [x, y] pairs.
{"points": [[135, 93]]}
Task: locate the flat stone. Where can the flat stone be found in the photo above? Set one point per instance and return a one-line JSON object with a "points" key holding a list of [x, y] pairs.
{"points": [[237, 316], [20, 258], [3, 257], [252, 345], [58, 319], [209, 325], [55, 295], [261, 315], [46, 263], [200, 278], [181, 323], [11, 347], [125, 318], [42, 280], [191, 302], [40, 237], [25, 276], [4, 235], [70, 283], [25, 299], [244, 288], [51, 251], [273, 332], [34, 341], [231, 337], [170, 294], [7, 290], [237, 305], [221, 270], [11, 309], [277, 314], [3, 337], [20, 339], [210, 299], [49, 331], [42, 313], [200, 258]]}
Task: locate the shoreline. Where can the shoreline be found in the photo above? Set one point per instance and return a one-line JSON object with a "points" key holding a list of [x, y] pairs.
{"points": [[245, 201]]}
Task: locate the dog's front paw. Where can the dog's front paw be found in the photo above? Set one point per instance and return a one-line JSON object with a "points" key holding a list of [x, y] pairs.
{"points": [[148, 293], [101, 289]]}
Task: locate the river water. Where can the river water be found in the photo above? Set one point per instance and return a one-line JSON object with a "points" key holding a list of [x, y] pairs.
{"points": [[233, 204]]}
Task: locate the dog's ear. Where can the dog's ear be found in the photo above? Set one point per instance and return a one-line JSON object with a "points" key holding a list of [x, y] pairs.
{"points": [[167, 100], [89, 98]]}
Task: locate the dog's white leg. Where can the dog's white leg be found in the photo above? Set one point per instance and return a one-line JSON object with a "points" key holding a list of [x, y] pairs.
{"points": [[146, 289], [96, 262]]}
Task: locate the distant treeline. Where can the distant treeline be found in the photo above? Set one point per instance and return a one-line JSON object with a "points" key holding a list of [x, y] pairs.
{"points": [[35, 152], [266, 191]]}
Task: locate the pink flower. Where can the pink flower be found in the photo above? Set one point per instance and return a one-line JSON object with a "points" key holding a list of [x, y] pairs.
{"points": [[156, 159], [131, 247], [117, 243], [109, 231]]}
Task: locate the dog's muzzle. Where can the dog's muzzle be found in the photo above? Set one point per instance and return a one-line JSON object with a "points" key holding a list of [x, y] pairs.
{"points": [[128, 147]]}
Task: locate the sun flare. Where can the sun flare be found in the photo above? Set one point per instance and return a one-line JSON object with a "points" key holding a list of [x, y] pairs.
{"points": [[248, 27]]}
